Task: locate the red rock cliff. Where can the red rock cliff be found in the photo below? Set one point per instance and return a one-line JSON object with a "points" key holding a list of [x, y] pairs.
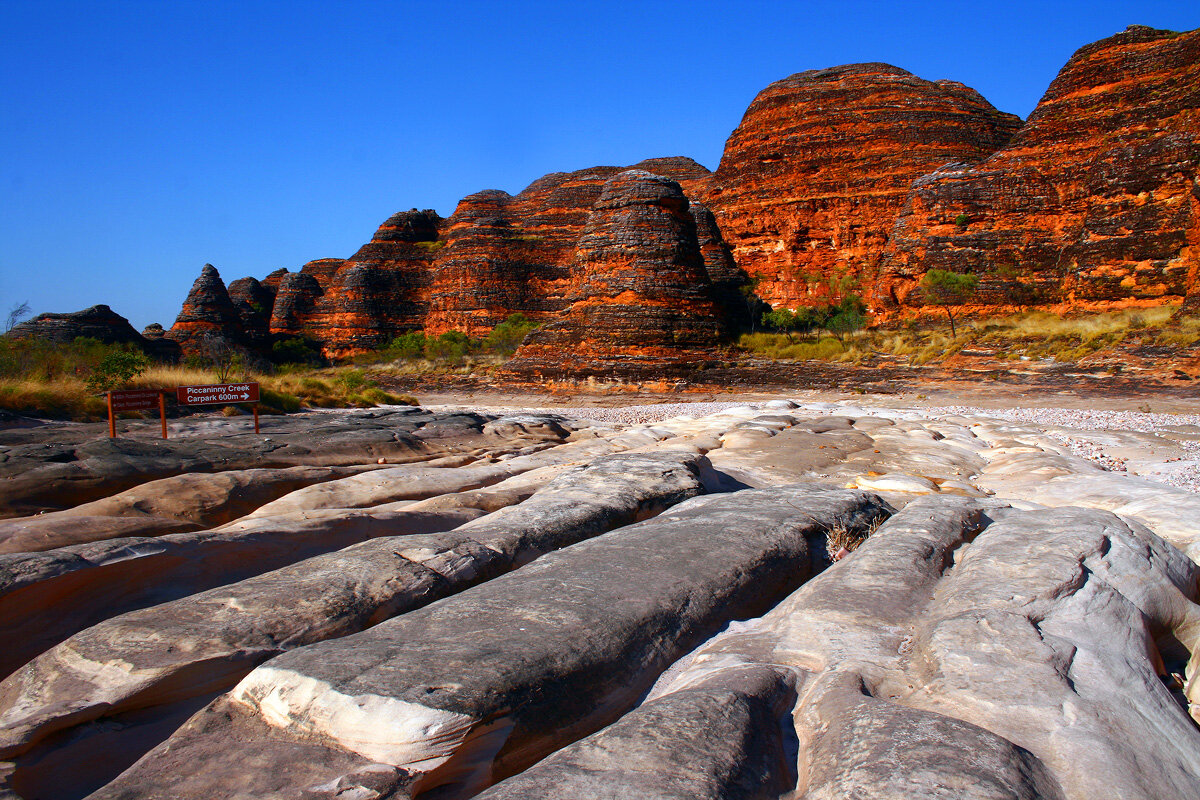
{"points": [[811, 181], [1094, 200], [506, 254], [641, 289]]}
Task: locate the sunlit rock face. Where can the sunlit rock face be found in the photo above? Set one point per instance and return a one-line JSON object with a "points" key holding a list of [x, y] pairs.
{"points": [[853, 179], [642, 288], [505, 254], [813, 178], [207, 312], [1093, 200]]}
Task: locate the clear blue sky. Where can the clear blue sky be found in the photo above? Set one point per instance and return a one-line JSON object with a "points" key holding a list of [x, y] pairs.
{"points": [[139, 140]]}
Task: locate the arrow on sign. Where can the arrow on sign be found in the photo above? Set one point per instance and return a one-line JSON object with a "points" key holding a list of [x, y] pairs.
{"points": [[245, 395]]}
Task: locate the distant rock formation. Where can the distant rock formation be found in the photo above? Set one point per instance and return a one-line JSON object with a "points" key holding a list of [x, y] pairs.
{"points": [[1094, 200], [98, 322], [208, 312], [852, 179], [812, 179], [642, 291]]}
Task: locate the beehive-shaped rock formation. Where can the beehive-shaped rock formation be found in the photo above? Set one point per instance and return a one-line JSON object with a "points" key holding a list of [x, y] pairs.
{"points": [[642, 292], [207, 312], [812, 179], [1093, 200]]}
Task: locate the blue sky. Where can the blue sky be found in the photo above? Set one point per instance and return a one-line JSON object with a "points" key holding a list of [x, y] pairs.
{"points": [[143, 139]]}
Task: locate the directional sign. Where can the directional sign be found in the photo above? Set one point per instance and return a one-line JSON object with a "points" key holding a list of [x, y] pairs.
{"points": [[217, 393], [134, 399]]}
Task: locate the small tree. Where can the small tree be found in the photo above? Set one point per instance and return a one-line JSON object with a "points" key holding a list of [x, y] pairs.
{"points": [[116, 369], [948, 289], [451, 347], [15, 314], [505, 338], [846, 317]]}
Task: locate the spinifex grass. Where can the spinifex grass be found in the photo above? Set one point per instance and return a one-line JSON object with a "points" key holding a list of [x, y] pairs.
{"points": [[1036, 334], [67, 397]]}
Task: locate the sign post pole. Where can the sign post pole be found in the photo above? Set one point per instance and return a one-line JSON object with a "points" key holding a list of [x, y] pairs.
{"points": [[256, 417], [112, 421], [162, 411]]}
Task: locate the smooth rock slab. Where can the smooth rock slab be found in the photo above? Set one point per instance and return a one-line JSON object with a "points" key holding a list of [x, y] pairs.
{"points": [[722, 739], [169, 654], [483, 684], [185, 502], [46, 597], [53, 475], [1020, 661]]}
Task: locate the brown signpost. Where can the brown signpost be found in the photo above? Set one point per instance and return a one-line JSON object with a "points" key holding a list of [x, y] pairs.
{"points": [[135, 400], [220, 393]]}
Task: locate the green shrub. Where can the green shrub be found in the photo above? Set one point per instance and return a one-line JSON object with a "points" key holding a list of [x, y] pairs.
{"points": [[505, 338], [962, 220], [407, 346], [116, 369], [450, 348], [297, 350]]}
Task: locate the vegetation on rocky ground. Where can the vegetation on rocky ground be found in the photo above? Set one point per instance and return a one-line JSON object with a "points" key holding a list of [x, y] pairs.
{"points": [[1032, 334], [67, 381], [415, 350]]}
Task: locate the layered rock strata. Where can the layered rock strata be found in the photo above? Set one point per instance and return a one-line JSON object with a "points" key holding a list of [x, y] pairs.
{"points": [[497, 255], [643, 288], [1094, 199], [858, 178], [506, 254], [208, 313], [812, 179]]}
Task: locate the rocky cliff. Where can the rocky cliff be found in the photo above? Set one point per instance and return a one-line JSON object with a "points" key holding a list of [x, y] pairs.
{"points": [[1096, 197], [857, 178], [641, 288], [812, 179]]}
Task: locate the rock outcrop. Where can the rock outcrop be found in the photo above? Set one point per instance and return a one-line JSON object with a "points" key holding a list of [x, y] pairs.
{"points": [[641, 292], [208, 314], [547, 607], [507, 254], [253, 301], [1094, 200], [811, 181], [858, 178], [98, 322]]}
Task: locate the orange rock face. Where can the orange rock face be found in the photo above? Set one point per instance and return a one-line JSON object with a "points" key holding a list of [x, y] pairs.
{"points": [[1094, 200], [641, 287], [507, 254], [858, 178], [813, 178]]}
